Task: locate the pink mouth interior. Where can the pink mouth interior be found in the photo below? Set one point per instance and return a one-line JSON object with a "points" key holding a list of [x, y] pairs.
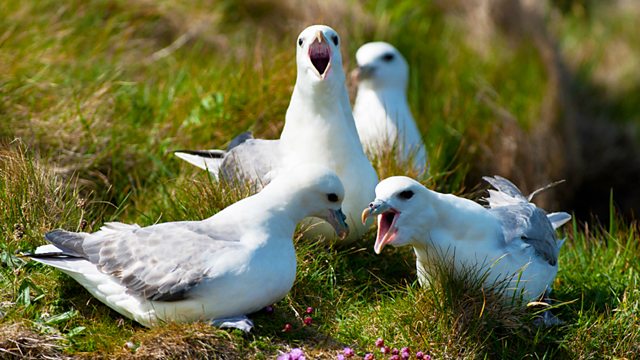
{"points": [[320, 55], [386, 228]]}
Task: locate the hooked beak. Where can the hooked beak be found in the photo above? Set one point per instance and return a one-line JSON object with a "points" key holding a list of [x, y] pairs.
{"points": [[337, 219], [320, 55], [362, 72], [376, 207], [387, 217]]}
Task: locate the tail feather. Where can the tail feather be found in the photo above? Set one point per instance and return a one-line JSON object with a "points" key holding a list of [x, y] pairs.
{"points": [[209, 160], [209, 154], [52, 255], [69, 243], [558, 219]]}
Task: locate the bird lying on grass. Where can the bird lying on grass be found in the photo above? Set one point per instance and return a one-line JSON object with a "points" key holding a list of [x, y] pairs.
{"points": [[318, 129], [512, 239], [218, 269], [381, 110]]}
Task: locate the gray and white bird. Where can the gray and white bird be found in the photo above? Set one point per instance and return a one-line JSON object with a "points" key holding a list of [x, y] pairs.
{"points": [[512, 239], [219, 269], [319, 129], [381, 110]]}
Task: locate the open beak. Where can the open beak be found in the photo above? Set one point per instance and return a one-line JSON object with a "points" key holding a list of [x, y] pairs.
{"points": [[320, 55], [387, 217], [337, 219], [362, 72]]}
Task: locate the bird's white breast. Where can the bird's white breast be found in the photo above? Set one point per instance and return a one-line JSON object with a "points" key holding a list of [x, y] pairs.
{"points": [[384, 121]]}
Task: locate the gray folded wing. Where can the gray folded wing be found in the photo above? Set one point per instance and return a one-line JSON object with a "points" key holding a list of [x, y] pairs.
{"points": [[161, 262], [528, 223], [246, 159], [252, 160]]}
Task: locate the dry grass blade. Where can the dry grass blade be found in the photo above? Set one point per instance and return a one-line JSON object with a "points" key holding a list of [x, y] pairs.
{"points": [[177, 341], [19, 342]]}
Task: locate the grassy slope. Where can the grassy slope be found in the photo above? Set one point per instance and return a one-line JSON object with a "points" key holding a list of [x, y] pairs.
{"points": [[96, 113]]}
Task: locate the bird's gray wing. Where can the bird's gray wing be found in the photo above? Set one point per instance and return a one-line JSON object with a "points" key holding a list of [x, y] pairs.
{"points": [[246, 159], [160, 262], [247, 135], [528, 223], [505, 189], [211, 160], [523, 221], [253, 161]]}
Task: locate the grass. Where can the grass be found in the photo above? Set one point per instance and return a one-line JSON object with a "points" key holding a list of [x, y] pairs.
{"points": [[95, 94]]}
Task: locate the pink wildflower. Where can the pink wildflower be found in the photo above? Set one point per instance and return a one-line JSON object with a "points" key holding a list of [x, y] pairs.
{"points": [[348, 352]]}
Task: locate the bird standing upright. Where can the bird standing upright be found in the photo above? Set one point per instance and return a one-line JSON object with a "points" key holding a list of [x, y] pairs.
{"points": [[381, 110]]}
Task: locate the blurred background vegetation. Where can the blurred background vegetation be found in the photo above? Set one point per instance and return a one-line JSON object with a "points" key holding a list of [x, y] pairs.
{"points": [[94, 96]]}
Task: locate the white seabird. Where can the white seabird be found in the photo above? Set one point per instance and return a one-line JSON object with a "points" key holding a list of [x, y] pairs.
{"points": [[218, 269], [381, 110], [319, 129], [513, 239]]}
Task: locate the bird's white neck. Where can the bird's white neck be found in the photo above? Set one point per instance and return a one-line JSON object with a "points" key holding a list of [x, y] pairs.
{"points": [[376, 106], [274, 208], [319, 123]]}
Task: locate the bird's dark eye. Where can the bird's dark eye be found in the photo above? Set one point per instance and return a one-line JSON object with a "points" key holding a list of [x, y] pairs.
{"points": [[332, 197], [388, 57], [334, 38], [300, 42], [406, 195]]}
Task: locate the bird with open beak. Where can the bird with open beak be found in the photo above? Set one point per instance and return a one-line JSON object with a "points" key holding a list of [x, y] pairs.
{"points": [[512, 239], [319, 125], [319, 129]]}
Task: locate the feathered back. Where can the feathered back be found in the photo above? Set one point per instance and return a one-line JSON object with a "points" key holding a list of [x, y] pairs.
{"points": [[521, 219]]}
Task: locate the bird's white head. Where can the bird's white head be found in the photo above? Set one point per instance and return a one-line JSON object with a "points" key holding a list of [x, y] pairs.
{"points": [[399, 202], [380, 65], [312, 190], [318, 55]]}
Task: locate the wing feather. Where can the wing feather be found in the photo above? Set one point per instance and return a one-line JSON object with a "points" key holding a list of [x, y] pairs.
{"points": [[252, 161], [154, 262], [523, 220]]}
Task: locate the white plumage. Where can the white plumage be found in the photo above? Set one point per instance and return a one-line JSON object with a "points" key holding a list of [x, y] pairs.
{"points": [[319, 129], [381, 110], [218, 269], [513, 239]]}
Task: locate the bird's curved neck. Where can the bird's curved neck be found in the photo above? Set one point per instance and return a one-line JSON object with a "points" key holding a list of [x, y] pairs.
{"points": [[274, 208], [383, 101], [319, 121]]}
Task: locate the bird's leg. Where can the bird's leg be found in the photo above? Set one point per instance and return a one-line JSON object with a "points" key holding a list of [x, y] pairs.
{"points": [[236, 322], [547, 318]]}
